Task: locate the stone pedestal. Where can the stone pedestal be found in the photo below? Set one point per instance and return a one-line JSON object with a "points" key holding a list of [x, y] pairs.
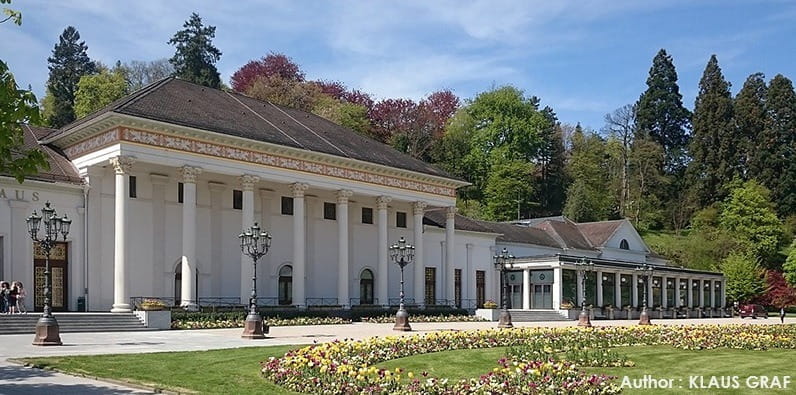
{"points": [[253, 327], [402, 321], [583, 319], [47, 332], [505, 320], [644, 319]]}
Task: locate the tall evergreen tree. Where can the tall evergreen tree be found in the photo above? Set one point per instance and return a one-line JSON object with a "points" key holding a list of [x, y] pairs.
{"points": [[660, 114], [714, 140], [69, 62], [551, 177], [196, 57], [750, 119], [777, 145]]}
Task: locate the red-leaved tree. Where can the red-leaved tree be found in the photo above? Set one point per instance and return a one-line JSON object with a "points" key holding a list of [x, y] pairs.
{"points": [[272, 65], [778, 293]]}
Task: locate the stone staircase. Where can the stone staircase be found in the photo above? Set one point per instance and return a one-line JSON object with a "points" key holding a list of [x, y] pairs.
{"points": [[536, 315], [73, 322]]}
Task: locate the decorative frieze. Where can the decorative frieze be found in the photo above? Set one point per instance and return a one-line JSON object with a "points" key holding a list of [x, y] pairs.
{"points": [[218, 150]]}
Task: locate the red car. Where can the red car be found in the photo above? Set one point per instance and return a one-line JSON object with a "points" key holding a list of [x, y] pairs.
{"points": [[753, 310]]}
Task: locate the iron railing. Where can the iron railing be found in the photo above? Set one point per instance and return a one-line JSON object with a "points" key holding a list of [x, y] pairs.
{"points": [[222, 301], [314, 302], [397, 301], [268, 302], [358, 302]]}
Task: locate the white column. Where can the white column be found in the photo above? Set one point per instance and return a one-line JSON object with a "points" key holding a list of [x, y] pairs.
{"points": [[247, 183], [723, 292], [418, 209], [690, 292], [677, 292], [599, 296], [266, 196], [618, 290], [158, 267], [382, 271], [188, 291], [217, 236], [299, 244], [557, 286], [121, 296], [650, 298], [467, 289], [712, 293], [526, 289], [342, 247], [634, 290], [579, 287], [664, 292], [450, 251]]}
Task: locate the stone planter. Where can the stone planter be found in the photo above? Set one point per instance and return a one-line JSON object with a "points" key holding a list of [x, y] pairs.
{"points": [[159, 319], [488, 314]]}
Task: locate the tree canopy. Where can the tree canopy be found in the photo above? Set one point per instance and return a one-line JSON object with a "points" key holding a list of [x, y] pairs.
{"points": [[68, 63], [97, 91], [195, 56]]}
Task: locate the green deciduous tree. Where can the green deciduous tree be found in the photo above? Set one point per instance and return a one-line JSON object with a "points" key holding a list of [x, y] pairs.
{"points": [[17, 106], [69, 62], [508, 188], [96, 91], [139, 74], [750, 118], [645, 207], [588, 168], [714, 141], [744, 277], [660, 114], [195, 58], [789, 267], [748, 215]]}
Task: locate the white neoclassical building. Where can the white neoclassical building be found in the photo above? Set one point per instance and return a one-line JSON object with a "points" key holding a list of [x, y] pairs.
{"points": [[160, 183]]}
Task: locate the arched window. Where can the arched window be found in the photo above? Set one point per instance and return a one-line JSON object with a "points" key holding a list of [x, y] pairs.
{"points": [[366, 287], [178, 284], [624, 245], [286, 285]]}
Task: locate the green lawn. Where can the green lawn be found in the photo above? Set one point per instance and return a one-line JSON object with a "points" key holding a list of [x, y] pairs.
{"points": [[237, 370]]}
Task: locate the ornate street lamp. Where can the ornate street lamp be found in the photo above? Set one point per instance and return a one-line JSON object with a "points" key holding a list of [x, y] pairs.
{"points": [[503, 261], [402, 254], [47, 330], [254, 243], [645, 271], [584, 267]]}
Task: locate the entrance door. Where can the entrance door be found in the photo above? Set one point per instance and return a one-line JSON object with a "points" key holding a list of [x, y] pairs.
{"points": [[542, 296], [58, 274], [515, 296]]}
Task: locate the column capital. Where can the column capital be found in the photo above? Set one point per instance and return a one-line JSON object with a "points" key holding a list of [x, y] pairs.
{"points": [[382, 202], [158, 179], [122, 164], [299, 188], [188, 174], [419, 207], [215, 186], [247, 181], [450, 212], [343, 195]]}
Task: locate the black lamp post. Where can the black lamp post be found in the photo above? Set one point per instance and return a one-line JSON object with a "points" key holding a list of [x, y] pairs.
{"points": [[402, 254], [503, 261], [645, 272], [47, 331], [584, 267], [254, 243]]}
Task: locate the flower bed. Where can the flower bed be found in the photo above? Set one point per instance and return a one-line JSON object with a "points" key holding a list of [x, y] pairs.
{"points": [[384, 319], [347, 366], [239, 322]]}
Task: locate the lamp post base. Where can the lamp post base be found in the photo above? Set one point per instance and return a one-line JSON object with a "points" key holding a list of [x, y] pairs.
{"points": [[47, 332], [644, 318], [253, 327], [583, 319], [505, 320], [402, 321]]}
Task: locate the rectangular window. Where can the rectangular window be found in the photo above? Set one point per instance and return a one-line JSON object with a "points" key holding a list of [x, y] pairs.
{"points": [[627, 289], [480, 288], [180, 192], [287, 205], [367, 215], [329, 211], [237, 199], [431, 286], [569, 288], [400, 219], [609, 289], [670, 292], [457, 287], [132, 186], [656, 300]]}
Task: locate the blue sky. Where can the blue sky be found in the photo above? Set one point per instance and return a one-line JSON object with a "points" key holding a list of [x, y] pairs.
{"points": [[583, 58]]}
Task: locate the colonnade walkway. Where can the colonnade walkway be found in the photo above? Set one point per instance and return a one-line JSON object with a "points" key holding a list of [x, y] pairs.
{"points": [[26, 380]]}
